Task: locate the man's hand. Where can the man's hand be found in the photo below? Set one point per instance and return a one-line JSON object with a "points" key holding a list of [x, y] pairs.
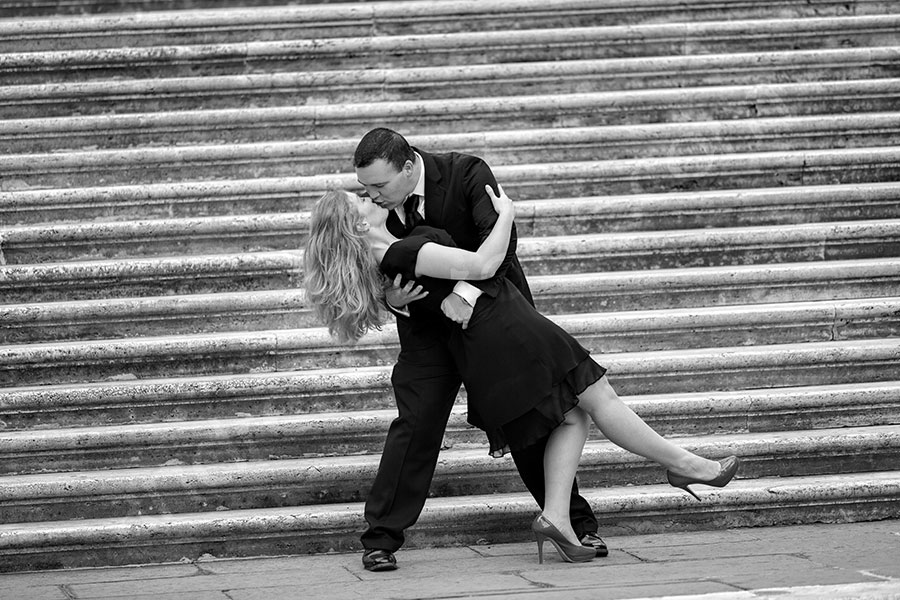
{"points": [[457, 309], [399, 296]]}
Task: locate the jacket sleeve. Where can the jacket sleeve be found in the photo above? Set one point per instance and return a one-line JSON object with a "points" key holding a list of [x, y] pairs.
{"points": [[479, 174]]}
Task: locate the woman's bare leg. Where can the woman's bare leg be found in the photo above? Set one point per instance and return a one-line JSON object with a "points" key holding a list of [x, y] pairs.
{"points": [[626, 429], [561, 457]]}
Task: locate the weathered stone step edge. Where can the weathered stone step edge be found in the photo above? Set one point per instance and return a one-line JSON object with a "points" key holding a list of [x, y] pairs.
{"points": [[291, 193], [227, 439], [499, 147], [473, 40], [77, 8], [162, 272], [56, 241], [419, 83], [386, 17], [626, 331], [636, 37], [750, 410], [723, 286], [752, 169], [257, 309], [686, 286], [316, 481], [726, 245], [81, 7], [813, 242], [445, 521], [554, 294], [363, 388], [524, 181], [41, 134], [88, 240]]}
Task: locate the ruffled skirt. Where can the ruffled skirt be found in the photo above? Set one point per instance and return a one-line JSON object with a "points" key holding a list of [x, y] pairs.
{"points": [[536, 424]]}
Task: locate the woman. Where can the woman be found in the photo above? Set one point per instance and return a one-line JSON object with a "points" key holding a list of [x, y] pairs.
{"points": [[525, 377]]}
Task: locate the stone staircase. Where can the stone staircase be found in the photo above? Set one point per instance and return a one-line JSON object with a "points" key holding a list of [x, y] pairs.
{"points": [[709, 198]]}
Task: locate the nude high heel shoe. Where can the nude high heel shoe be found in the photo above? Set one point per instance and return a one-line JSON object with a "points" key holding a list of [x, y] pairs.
{"points": [[729, 467], [544, 530]]}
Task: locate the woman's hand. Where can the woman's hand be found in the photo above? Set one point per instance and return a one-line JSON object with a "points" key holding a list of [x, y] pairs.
{"points": [[502, 202], [398, 295]]}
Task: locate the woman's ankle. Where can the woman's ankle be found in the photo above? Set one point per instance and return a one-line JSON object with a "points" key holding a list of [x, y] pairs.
{"points": [[563, 524], [696, 467]]}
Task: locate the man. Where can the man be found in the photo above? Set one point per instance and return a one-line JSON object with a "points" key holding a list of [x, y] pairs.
{"points": [[446, 191]]}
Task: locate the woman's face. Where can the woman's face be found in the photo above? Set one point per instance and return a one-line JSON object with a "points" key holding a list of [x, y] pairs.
{"points": [[368, 210]]}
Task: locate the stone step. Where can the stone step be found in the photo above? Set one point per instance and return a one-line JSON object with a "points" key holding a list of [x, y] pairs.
{"points": [[151, 276], [338, 479], [385, 84], [44, 8], [258, 23], [672, 209], [510, 147], [358, 387], [494, 518], [87, 240], [583, 253], [710, 247], [469, 47], [54, 242], [716, 286], [554, 294], [312, 436], [725, 171], [618, 8], [293, 349], [625, 107]]}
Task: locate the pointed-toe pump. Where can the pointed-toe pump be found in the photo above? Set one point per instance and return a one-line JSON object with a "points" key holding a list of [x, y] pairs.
{"points": [[729, 467], [544, 530]]}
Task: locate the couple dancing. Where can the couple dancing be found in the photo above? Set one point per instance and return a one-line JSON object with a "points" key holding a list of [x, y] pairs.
{"points": [[433, 240]]}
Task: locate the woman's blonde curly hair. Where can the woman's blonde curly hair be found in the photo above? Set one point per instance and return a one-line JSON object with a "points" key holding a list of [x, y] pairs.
{"points": [[342, 280]]}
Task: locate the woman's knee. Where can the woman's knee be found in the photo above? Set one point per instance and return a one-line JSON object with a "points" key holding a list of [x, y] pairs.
{"points": [[597, 394], [577, 417]]}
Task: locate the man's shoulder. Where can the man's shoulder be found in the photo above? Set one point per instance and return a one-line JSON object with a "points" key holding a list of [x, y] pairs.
{"points": [[452, 158]]}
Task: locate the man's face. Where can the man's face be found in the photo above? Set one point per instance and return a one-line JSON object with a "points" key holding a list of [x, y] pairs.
{"points": [[387, 186]]}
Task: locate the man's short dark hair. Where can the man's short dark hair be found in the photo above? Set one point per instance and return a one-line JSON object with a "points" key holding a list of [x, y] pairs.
{"points": [[385, 144]]}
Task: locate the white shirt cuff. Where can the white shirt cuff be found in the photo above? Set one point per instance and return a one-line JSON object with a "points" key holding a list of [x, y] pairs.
{"points": [[469, 292]]}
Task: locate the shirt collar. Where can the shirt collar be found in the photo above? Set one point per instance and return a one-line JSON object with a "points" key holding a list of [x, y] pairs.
{"points": [[420, 184], [418, 190]]}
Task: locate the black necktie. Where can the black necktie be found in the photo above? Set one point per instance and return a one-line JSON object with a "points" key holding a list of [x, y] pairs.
{"points": [[411, 213], [394, 225]]}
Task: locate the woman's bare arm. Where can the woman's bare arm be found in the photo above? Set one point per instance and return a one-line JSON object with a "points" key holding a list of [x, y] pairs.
{"points": [[443, 262]]}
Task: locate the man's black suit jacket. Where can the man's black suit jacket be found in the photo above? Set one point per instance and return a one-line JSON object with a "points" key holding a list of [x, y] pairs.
{"points": [[456, 201]]}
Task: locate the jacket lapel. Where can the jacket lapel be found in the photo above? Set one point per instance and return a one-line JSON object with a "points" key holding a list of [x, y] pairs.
{"points": [[435, 192]]}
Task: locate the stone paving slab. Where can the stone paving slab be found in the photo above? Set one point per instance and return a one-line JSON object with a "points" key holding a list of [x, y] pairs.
{"points": [[833, 561]]}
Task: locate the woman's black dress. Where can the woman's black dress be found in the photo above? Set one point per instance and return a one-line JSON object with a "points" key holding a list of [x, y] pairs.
{"points": [[521, 371]]}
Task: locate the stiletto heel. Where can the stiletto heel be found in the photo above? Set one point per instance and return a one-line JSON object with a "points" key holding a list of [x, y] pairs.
{"points": [[540, 537], [544, 530], [727, 471]]}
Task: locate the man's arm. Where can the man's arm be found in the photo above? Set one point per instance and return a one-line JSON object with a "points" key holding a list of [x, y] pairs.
{"points": [[484, 216], [459, 305]]}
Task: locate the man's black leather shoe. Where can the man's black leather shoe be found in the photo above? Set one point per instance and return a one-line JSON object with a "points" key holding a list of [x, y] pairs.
{"points": [[592, 540], [379, 560]]}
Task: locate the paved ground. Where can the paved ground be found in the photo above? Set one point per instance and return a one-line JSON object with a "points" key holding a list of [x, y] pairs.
{"points": [[859, 561]]}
